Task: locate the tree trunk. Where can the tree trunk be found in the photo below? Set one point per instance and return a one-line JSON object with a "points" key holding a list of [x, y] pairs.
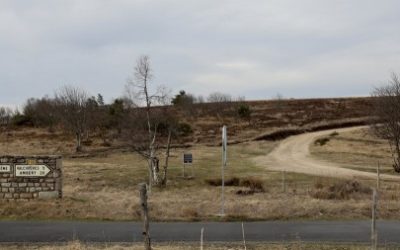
{"points": [[164, 179], [78, 142], [155, 170]]}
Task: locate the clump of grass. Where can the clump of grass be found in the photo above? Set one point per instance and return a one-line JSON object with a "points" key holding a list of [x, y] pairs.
{"points": [[318, 184], [234, 181], [342, 190], [254, 185], [333, 134], [321, 141], [191, 213]]}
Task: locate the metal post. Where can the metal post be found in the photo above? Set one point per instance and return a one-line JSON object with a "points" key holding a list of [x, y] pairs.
{"points": [[378, 173], [224, 144], [222, 193]]}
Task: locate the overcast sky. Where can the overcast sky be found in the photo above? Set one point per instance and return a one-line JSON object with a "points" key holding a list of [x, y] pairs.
{"points": [[255, 48]]}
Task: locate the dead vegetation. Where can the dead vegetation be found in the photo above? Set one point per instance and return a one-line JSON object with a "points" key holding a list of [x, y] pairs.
{"points": [[297, 245], [103, 186], [340, 190], [253, 185], [359, 149]]}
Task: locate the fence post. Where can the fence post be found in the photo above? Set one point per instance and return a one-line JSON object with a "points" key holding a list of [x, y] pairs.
{"points": [[244, 238], [374, 234], [201, 238], [378, 179], [145, 216]]}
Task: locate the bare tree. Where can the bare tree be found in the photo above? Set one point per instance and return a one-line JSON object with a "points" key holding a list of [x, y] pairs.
{"points": [[41, 112], [147, 142], [387, 110], [219, 97], [72, 107], [6, 115]]}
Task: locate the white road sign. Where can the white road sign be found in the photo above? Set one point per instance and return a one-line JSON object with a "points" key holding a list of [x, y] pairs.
{"points": [[5, 168], [31, 170]]}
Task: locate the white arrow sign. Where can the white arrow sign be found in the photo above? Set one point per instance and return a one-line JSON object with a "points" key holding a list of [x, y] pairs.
{"points": [[31, 170]]}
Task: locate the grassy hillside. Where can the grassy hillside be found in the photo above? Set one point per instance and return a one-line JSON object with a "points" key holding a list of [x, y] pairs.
{"points": [[267, 116], [102, 183]]}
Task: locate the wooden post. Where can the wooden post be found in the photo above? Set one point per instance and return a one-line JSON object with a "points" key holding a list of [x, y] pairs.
{"points": [[143, 203], [374, 234], [201, 238]]}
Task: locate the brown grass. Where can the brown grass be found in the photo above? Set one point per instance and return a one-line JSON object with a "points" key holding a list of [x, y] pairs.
{"points": [[359, 150], [76, 245], [340, 190], [104, 187]]}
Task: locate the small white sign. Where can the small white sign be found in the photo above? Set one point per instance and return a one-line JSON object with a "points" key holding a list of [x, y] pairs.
{"points": [[31, 170], [5, 168]]}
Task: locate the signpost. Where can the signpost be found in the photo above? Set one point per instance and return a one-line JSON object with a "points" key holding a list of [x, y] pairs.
{"points": [[187, 159], [224, 150], [31, 170]]}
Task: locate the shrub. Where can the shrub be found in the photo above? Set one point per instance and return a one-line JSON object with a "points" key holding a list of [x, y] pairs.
{"points": [[184, 129], [234, 181], [343, 190], [21, 120], [333, 134], [253, 183], [244, 111], [321, 141], [318, 184]]}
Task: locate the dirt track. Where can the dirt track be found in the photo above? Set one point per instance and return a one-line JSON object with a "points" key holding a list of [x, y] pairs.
{"points": [[293, 155]]}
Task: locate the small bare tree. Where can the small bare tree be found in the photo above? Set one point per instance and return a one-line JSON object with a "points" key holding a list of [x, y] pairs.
{"points": [[6, 115], [72, 108], [145, 139], [387, 110]]}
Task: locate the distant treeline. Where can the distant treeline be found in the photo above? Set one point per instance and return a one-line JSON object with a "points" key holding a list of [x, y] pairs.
{"points": [[73, 110]]}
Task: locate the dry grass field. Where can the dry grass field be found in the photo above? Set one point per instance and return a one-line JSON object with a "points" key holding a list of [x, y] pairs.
{"points": [[184, 246], [103, 186], [359, 149]]}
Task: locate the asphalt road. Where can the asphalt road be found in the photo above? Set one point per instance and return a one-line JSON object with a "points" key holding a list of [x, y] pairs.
{"points": [[317, 231]]}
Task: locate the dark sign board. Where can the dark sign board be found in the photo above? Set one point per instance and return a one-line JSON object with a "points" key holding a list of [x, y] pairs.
{"points": [[187, 158]]}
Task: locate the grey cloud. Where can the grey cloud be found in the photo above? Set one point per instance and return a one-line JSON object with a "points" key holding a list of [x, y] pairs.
{"points": [[253, 48]]}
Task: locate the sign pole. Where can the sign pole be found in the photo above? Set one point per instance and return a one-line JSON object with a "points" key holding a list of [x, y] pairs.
{"points": [[224, 145]]}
